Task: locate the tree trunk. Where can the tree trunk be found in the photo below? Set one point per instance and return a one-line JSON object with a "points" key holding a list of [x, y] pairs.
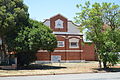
{"points": [[99, 60], [100, 65], [50, 57], [105, 64], [2, 50]]}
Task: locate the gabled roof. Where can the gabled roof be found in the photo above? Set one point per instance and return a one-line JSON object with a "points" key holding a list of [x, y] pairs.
{"points": [[59, 15], [62, 16]]}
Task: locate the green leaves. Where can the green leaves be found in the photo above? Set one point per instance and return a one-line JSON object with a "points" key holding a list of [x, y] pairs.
{"points": [[13, 13], [102, 22], [21, 34], [111, 58], [36, 36], [32, 38]]}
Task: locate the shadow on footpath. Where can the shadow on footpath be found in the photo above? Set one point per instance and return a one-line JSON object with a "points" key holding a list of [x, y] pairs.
{"points": [[37, 67], [40, 67], [108, 69]]}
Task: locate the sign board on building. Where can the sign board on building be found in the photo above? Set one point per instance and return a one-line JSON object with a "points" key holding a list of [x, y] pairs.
{"points": [[55, 58]]}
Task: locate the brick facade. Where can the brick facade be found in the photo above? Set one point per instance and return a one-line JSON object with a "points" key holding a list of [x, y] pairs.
{"points": [[88, 52], [71, 49], [52, 24]]}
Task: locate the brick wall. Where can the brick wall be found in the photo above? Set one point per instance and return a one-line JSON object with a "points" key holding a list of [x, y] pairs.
{"points": [[66, 52], [52, 23], [88, 52]]}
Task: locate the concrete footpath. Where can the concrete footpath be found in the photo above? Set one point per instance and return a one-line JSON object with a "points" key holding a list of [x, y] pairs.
{"points": [[87, 76]]}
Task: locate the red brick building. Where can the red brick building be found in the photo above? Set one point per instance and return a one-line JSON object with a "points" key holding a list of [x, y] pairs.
{"points": [[70, 43]]}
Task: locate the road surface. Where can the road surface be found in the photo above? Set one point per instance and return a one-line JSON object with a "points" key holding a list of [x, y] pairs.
{"points": [[87, 76]]}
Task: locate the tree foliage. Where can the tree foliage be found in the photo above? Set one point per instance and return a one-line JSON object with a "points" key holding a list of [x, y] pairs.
{"points": [[35, 37], [13, 17], [21, 34], [102, 24]]}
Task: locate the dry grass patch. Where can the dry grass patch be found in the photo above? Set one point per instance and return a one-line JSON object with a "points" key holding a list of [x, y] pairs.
{"points": [[54, 68]]}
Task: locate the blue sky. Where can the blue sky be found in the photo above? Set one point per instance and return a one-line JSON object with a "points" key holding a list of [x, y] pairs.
{"points": [[44, 9]]}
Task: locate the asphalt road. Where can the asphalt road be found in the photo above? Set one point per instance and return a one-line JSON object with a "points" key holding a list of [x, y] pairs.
{"points": [[87, 76]]}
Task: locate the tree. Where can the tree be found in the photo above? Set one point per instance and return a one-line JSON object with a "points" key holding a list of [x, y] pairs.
{"points": [[102, 24], [22, 35], [110, 48], [13, 17], [33, 38]]}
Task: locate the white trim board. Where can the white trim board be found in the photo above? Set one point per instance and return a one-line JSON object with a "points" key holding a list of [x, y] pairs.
{"points": [[62, 51], [62, 61], [67, 33]]}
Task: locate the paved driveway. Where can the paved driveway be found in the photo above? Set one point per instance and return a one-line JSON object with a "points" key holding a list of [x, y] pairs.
{"points": [[88, 76]]}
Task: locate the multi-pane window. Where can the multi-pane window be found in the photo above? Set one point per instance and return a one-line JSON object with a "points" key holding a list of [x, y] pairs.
{"points": [[60, 43]]}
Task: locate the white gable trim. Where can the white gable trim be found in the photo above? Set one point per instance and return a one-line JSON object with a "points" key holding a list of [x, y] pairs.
{"points": [[67, 33], [62, 51]]}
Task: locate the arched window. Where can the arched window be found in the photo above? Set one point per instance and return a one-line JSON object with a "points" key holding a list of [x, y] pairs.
{"points": [[73, 43]]}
